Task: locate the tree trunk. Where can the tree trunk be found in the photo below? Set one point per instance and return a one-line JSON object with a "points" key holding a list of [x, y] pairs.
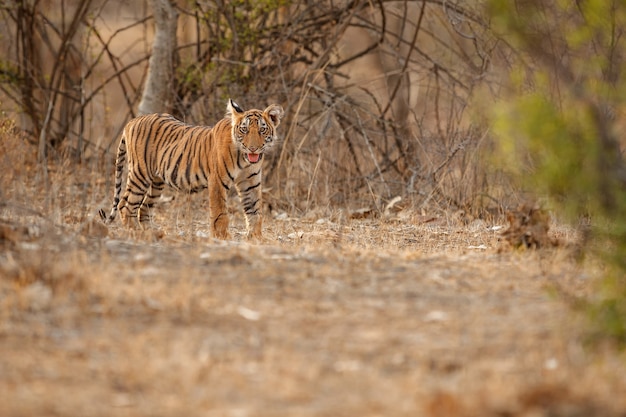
{"points": [[157, 94]]}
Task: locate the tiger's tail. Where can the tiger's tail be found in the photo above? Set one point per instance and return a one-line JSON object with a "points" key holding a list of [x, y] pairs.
{"points": [[119, 169]]}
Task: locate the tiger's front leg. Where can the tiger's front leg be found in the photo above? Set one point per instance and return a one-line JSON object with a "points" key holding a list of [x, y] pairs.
{"points": [[250, 192], [218, 214]]}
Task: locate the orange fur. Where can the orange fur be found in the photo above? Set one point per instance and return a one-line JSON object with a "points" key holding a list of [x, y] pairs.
{"points": [[163, 150]]}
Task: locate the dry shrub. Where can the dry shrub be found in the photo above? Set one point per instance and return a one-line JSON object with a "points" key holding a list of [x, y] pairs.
{"points": [[43, 217], [529, 225], [371, 113], [17, 158], [40, 267], [12, 233], [25, 270]]}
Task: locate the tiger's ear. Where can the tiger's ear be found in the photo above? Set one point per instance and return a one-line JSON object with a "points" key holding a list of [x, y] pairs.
{"points": [[233, 109], [275, 113]]}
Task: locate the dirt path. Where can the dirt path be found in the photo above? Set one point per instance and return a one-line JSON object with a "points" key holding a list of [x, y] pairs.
{"points": [[364, 318]]}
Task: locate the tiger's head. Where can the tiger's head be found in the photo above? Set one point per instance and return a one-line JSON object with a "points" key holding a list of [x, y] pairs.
{"points": [[254, 131]]}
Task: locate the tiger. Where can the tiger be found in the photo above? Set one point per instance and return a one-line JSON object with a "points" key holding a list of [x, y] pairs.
{"points": [[162, 150]]}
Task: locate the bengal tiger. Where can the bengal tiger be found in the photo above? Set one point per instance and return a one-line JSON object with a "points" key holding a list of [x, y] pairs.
{"points": [[162, 150]]}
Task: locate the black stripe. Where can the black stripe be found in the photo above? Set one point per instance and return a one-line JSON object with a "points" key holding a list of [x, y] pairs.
{"points": [[165, 160], [230, 154], [252, 187], [228, 172], [239, 159], [217, 218], [175, 171], [201, 164], [249, 205], [146, 134], [140, 194], [250, 209], [169, 134], [140, 185], [190, 158]]}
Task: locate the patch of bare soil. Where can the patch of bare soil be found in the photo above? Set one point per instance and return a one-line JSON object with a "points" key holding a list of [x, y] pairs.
{"points": [[328, 316]]}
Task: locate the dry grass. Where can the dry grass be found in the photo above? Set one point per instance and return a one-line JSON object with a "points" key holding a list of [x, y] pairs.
{"points": [[411, 315]]}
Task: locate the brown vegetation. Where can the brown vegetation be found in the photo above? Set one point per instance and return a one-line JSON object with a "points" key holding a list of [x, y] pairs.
{"points": [[405, 314], [389, 281], [371, 113]]}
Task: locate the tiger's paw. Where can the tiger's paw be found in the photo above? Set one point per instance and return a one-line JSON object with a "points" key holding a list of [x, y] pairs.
{"points": [[223, 235], [255, 236]]}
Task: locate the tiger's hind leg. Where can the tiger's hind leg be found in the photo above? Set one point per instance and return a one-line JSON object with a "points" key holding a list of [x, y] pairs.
{"points": [[145, 211], [134, 196]]}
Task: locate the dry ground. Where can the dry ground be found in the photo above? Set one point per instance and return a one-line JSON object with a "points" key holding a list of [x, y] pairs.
{"points": [[415, 315]]}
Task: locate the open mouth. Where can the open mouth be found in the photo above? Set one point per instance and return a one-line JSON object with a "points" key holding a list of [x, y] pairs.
{"points": [[254, 157]]}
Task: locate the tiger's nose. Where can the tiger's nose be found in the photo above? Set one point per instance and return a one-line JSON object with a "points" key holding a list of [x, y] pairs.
{"points": [[253, 149]]}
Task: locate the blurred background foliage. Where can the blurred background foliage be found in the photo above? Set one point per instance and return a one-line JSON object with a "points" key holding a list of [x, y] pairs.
{"points": [[560, 125]]}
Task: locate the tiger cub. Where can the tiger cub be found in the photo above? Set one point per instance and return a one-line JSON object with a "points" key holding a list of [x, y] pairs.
{"points": [[163, 150]]}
